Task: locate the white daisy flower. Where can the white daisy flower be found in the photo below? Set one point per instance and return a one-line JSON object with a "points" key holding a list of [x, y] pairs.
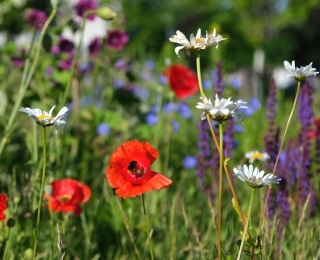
{"points": [[222, 110], [196, 43], [256, 155], [254, 177], [302, 73], [45, 119]]}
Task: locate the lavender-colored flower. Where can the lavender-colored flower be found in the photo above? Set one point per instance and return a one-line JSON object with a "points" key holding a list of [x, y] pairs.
{"points": [[118, 83], [254, 103], [305, 114], [163, 80], [142, 93], [95, 47], [204, 157], [17, 62], [86, 5], [151, 119], [236, 82], [103, 129], [65, 45], [184, 110], [169, 107], [121, 64], [219, 84], [66, 64], [149, 64], [36, 18], [155, 109], [228, 139], [49, 71], [238, 128], [189, 162], [207, 84], [175, 126], [117, 39]]}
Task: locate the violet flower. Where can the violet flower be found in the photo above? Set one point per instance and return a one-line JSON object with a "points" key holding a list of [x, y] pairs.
{"points": [[117, 39], [95, 47], [86, 5], [36, 18]]}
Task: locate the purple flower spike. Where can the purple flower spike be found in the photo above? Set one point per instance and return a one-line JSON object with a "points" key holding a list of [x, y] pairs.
{"points": [[117, 39], [36, 18], [86, 5]]}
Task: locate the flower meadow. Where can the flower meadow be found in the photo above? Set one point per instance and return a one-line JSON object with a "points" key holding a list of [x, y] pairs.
{"points": [[164, 156]]}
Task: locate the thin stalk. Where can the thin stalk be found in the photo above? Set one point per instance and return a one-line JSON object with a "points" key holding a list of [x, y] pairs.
{"points": [[26, 78], [247, 224], [147, 227], [75, 58], [234, 194], [44, 140], [220, 189], [283, 138]]}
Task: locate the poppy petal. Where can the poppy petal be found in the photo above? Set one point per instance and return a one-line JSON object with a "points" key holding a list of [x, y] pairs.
{"points": [[157, 182]]}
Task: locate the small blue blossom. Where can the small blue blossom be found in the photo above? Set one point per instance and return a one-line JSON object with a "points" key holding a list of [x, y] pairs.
{"points": [[118, 83], [238, 128], [163, 80], [255, 103], [149, 64], [189, 162], [175, 126], [142, 93], [184, 110], [169, 107], [207, 84], [236, 82], [154, 109], [103, 129], [151, 119]]}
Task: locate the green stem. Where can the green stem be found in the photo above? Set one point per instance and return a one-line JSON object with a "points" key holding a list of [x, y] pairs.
{"points": [[247, 224], [220, 188], [25, 81], [44, 140], [147, 226], [283, 138], [199, 75], [75, 58]]}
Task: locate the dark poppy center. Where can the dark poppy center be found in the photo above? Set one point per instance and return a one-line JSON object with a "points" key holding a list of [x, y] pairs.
{"points": [[135, 169]]}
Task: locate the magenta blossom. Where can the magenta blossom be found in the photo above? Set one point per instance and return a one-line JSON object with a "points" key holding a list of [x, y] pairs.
{"points": [[86, 5], [117, 39], [36, 18], [95, 47], [66, 64]]}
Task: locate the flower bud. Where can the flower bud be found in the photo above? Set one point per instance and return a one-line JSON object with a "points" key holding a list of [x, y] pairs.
{"points": [[105, 13]]}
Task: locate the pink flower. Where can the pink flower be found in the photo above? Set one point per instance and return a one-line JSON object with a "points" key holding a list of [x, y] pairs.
{"points": [[36, 18], [117, 39], [86, 5]]}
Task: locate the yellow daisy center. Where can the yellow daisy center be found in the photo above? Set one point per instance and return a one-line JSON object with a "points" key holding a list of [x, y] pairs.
{"points": [[43, 117], [198, 40], [256, 155]]}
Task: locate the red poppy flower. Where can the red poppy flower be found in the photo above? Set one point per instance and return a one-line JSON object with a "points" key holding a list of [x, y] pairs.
{"points": [[3, 206], [183, 81], [66, 195], [314, 134], [129, 170]]}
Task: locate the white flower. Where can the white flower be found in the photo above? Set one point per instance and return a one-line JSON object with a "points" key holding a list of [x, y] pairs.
{"points": [[256, 155], [196, 43], [222, 110], [254, 177], [302, 73], [45, 119]]}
